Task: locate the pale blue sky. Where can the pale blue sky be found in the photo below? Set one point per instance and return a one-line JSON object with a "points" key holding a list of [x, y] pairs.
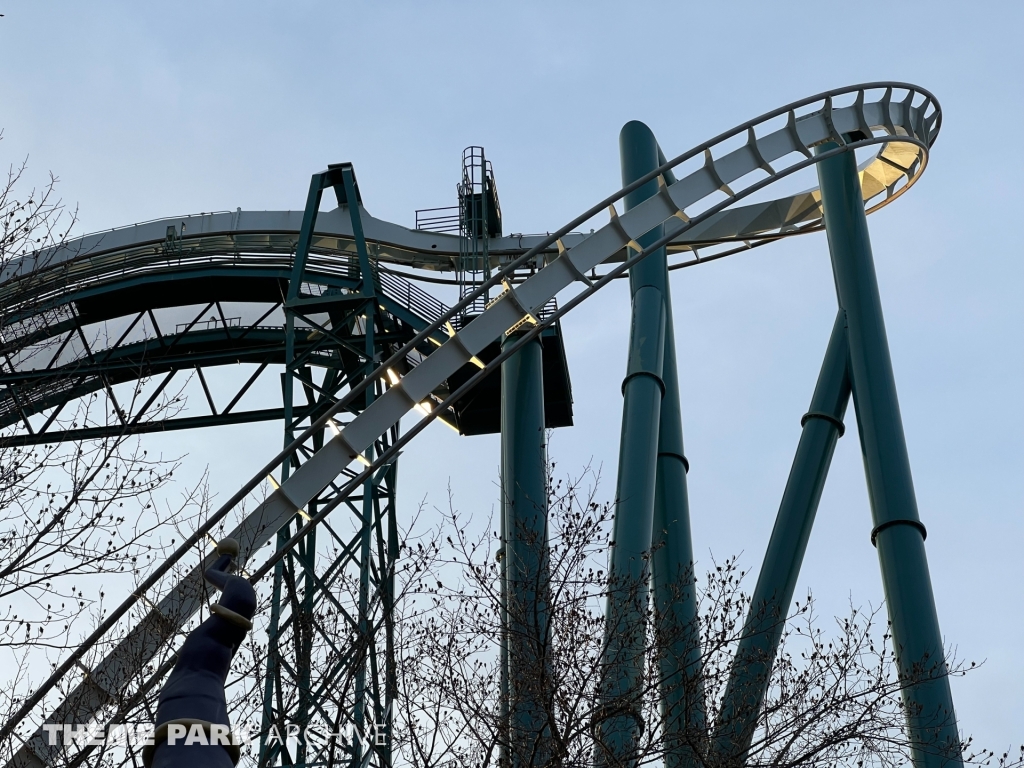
{"points": [[147, 110]]}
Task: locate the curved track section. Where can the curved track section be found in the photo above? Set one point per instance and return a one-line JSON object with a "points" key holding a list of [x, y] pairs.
{"points": [[128, 327], [896, 122], [67, 311]]}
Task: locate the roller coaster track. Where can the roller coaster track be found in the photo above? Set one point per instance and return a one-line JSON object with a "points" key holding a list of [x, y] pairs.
{"points": [[897, 122]]}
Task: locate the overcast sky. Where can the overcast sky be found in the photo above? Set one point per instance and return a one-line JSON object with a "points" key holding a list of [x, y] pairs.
{"points": [[147, 110]]}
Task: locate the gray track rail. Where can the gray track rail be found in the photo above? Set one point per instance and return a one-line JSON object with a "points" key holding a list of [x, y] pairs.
{"points": [[900, 120]]}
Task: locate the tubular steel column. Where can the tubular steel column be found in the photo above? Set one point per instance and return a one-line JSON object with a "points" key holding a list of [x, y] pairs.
{"points": [[898, 533], [525, 512], [822, 427], [642, 392], [503, 685], [684, 717]]}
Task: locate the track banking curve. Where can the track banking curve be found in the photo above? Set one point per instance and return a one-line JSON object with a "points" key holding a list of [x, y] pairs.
{"points": [[699, 210], [90, 281]]}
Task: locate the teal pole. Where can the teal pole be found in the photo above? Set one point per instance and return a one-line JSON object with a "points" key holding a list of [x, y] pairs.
{"points": [[683, 709], [620, 718], [524, 474], [898, 533], [683, 705], [628, 573], [503, 684], [822, 426]]}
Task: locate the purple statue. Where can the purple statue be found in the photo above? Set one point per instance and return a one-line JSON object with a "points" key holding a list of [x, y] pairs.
{"points": [[192, 728]]}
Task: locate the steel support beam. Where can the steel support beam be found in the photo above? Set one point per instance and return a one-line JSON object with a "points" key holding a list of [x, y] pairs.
{"points": [[503, 681], [683, 707], [628, 572], [898, 533], [300, 689], [822, 426], [642, 391], [524, 485], [683, 712]]}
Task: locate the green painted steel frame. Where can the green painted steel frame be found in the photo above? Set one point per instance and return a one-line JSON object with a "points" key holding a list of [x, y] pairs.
{"points": [[898, 533], [301, 583], [822, 426], [651, 513], [856, 362], [191, 351], [526, 662]]}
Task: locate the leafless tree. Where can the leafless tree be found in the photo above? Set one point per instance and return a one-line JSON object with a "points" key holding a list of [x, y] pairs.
{"points": [[833, 694], [79, 519]]}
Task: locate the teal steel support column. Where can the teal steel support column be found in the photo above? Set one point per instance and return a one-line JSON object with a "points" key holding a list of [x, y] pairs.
{"points": [[822, 426], [525, 512], [367, 709], [642, 392], [683, 706], [391, 654], [366, 283], [628, 573], [503, 686], [288, 397], [898, 533]]}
